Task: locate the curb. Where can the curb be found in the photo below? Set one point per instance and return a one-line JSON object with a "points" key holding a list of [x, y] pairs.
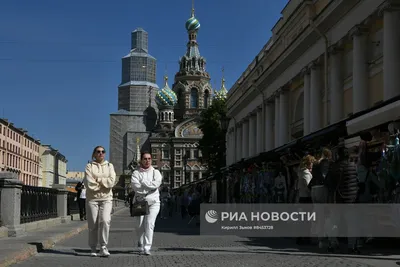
{"points": [[30, 250]]}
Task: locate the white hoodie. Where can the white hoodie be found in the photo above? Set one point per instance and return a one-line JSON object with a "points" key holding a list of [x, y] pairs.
{"points": [[99, 181], [145, 183]]}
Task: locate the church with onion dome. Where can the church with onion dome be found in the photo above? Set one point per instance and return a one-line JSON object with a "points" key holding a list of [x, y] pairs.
{"points": [[175, 139]]}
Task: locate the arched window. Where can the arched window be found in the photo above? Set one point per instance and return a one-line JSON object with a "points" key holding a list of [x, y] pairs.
{"points": [[181, 99], [194, 98], [206, 98]]}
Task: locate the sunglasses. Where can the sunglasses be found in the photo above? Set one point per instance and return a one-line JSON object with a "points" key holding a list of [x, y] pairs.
{"points": [[100, 151]]}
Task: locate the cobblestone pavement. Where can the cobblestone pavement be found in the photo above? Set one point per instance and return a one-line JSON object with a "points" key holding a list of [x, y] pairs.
{"points": [[178, 244]]}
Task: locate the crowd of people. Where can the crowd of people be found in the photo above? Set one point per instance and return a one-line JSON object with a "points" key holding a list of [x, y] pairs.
{"points": [[324, 180]]}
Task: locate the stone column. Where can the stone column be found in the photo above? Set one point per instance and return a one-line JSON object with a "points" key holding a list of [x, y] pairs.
{"points": [[306, 106], [269, 125], [238, 140], [10, 207], [316, 88], [259, 131], [276, 126], [336, 85], [360, 68], [245, 140], [62, 199], [252, 135], [284, 116], [391, 48]]}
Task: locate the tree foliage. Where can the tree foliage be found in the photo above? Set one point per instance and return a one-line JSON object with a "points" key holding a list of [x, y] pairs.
{"points": [[212, 145]]}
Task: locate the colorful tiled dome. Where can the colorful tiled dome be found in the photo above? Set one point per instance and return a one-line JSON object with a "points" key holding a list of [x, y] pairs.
{"points": [[165, 96], [192, 24]]}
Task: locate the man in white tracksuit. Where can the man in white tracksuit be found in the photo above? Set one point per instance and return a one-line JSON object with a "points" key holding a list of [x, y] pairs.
{"points": [[145, 182]]}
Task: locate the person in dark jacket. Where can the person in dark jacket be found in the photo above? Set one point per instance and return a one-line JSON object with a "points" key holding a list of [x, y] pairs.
{"points": [[342, 184], [81, 199]]}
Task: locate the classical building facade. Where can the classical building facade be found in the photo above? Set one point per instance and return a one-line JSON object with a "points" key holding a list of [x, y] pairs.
{"points": [[19, 153], [174, 142], [137, 111], [326, 61], [54, 166]]}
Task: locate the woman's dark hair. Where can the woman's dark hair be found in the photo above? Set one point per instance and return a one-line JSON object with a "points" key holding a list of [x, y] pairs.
{"points": [[94, 150], [144, 153]]}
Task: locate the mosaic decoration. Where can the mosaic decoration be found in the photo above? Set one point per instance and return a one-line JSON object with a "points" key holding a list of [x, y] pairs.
{"points": [[189, 129]]}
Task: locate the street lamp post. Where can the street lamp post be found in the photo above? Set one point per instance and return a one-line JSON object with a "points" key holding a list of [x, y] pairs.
{"points": [[224, 123]]}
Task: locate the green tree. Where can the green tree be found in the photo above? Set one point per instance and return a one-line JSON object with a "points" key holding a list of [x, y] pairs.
{"points": [[212, 145]]}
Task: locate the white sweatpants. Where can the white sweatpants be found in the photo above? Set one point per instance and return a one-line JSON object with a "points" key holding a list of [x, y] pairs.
{"points": [[99, 219], [145, 226]]}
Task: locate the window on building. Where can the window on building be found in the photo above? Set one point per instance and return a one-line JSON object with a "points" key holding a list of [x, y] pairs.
{"points": [[165, 154], [187, 154], [196, 154], [196, 176], [178, 157], [206, 98], [194, 98]]}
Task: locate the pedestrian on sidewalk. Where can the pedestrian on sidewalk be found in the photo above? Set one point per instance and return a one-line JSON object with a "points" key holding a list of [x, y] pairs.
{"points": [[99, 181], [145, 182], [81, 198]]}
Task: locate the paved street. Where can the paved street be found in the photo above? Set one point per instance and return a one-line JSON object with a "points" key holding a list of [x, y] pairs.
{"points": [[178, 244]]}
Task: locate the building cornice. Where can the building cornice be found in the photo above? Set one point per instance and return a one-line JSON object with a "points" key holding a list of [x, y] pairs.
{"points": [[334, 11]]}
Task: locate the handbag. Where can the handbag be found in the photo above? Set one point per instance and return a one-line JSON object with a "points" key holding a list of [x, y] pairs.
{"points": [[140, 206]]}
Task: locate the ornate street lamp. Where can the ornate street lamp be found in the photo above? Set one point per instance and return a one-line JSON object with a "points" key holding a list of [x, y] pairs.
{"points": [[224, 123]]}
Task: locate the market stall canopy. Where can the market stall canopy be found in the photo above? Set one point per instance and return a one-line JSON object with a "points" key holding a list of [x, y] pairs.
{"points": [[385, 112]]}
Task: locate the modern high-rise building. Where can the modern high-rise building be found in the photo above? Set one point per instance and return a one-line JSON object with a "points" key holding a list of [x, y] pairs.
{"points": [[137, 111]]}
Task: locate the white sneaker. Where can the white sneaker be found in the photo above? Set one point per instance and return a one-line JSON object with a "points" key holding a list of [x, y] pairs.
{"points": [[146, 252], [104, 252], [93, 252]]}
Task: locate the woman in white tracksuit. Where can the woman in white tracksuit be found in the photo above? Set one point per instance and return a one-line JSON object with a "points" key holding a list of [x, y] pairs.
{"points": [[145, 182]]}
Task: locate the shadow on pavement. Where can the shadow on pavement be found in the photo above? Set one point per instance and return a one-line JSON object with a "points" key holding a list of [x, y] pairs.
{"points": [[288, 245], [177, 225]]}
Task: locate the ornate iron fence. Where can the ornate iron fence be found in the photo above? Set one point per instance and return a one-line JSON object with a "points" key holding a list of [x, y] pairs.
{"points": [[38, 203], [72, 203]]}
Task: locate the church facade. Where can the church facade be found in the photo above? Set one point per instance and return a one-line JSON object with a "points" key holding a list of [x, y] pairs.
{"points": [[175, 140]]}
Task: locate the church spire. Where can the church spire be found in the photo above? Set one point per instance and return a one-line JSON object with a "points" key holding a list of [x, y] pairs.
{"points": [[192, 8], [222, 93]]}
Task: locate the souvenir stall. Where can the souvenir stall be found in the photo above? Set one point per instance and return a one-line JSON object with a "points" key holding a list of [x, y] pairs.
{"points": [[379, 150]]}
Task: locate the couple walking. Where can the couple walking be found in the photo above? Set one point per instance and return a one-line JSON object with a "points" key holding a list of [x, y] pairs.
{"points": [[99, 181]]}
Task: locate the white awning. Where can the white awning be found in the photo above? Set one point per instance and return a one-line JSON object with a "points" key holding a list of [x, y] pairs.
{"points": [[390, 112]]}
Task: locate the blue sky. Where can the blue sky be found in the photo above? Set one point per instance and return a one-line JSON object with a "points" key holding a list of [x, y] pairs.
{"points": [[60, 61]]}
